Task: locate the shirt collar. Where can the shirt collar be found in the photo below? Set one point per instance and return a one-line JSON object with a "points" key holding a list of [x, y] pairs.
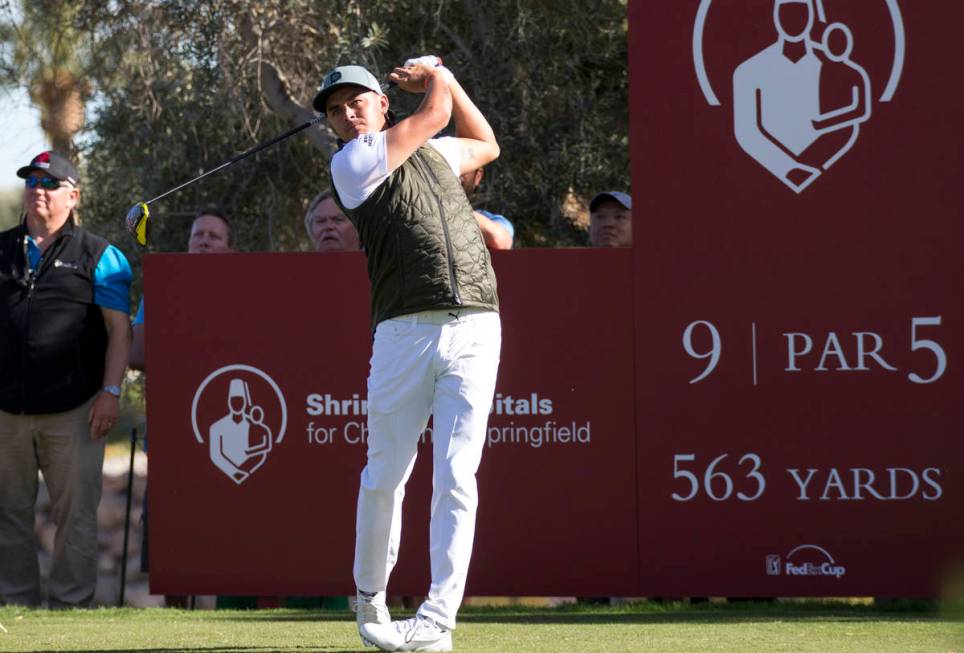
{"points": [[34, 254]]}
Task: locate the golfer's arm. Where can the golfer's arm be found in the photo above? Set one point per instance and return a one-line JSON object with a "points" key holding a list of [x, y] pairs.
{"points": [[431, 117], [118, 345], [478, 144]]}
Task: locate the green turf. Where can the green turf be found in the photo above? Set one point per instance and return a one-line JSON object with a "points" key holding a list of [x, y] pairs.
{"points": [[820, 627]]}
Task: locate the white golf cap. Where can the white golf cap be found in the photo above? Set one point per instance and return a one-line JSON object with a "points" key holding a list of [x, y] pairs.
{"points": [[344, 76]]}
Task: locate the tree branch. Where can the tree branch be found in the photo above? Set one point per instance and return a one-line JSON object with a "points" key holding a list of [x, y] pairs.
{"points": [[274, 89]]}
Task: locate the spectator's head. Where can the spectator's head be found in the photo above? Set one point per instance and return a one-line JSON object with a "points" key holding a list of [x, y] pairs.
{"points": [[611, 220], [471, 180], [330, 230], [210, 232], [352, 100], [51, 189]]}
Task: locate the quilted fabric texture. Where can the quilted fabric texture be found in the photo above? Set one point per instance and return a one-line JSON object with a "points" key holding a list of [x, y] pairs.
{"points": [[425, 250]]}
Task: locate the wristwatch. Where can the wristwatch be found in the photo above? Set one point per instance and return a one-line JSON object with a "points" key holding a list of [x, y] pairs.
{"points": [[112, 390]]}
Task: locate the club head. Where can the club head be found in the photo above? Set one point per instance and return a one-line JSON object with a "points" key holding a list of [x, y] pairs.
{"points": [[138, 224]]}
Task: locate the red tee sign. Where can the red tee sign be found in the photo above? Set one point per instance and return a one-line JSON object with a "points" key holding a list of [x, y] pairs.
{"points": [[798, 295], [257, 411], [762, 398]]}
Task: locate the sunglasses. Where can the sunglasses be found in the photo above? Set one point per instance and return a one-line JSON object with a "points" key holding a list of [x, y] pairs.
{"points": [[47, 183]]}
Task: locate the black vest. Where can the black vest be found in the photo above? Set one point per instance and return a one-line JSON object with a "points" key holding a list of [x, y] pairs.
{"points": [[52, 335]]}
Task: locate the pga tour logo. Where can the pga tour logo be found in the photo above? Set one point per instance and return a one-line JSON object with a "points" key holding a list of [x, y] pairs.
{"points": [[805, 560], [240, 413], [800, 75]]}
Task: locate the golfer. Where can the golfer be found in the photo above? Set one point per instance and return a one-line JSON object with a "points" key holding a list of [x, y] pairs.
{"points": [[437, 329]]}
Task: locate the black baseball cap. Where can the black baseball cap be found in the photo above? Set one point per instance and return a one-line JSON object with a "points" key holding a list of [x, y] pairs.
{"points": [[54, 164]]}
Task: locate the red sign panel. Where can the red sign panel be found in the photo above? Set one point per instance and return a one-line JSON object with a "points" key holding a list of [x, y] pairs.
{"points": [[256, 386], [762, 398], [798, 295]]}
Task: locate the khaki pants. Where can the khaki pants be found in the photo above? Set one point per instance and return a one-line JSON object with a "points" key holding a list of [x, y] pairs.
{"points": [[59, 446]]}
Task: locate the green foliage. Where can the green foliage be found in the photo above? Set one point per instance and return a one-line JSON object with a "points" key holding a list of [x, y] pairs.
{"points": [[182, 90], [44, 37], [42, 49]]}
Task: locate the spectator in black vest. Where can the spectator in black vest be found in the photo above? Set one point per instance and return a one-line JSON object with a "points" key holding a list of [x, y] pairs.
{"points": [[64, 342]]}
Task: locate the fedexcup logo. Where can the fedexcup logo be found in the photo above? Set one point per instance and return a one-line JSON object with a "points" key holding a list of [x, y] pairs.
{"points": [[800, 100], [805, 560], [240, 412]]}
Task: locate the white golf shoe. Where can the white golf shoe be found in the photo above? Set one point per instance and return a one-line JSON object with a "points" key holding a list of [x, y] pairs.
{"points": [[370, 608], [415, 634]]}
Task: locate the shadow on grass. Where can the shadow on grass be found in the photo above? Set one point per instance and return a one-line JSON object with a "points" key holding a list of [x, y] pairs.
{"points": [[646, 613]]}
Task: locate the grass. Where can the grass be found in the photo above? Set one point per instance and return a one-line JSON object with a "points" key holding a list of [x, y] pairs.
{"points": [[800, 627]]}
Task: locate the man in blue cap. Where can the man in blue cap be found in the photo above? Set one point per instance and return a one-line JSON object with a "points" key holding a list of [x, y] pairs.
{"points": [[437, 333], [64, 341], [611, 220]]}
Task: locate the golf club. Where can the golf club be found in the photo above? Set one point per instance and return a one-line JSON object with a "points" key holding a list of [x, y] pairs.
{"points": [[138, 223]]}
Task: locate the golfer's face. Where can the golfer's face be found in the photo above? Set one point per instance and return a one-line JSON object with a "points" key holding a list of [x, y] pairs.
{"points": [[331, 230], [611, 225], [355, 110], [209, 235]]}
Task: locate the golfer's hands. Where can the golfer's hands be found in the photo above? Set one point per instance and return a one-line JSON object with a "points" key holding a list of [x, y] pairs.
{"points": [[103, 415], [414, 79]]}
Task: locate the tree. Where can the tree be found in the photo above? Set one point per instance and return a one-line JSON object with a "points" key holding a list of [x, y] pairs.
{"points": [[43, 51], [186, 85]]}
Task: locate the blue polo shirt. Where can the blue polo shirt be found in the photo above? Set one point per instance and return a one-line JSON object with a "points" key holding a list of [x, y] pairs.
{"points": [[112, 276]]}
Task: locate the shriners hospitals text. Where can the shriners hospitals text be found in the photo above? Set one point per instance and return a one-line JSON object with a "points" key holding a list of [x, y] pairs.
{"points": [[535, 434], [324, 404]]}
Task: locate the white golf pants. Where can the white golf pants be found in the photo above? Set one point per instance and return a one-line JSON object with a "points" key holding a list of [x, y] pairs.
{"points": [[444, 364]]}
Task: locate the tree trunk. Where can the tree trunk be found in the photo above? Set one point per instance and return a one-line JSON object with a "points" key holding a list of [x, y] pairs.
{"points": [[61, 98]]}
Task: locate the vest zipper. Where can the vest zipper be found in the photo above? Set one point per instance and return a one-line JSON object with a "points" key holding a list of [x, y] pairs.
{"points": [[23, 348], [456, 297]]}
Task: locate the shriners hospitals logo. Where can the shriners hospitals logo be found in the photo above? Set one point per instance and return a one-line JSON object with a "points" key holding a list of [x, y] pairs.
{"points": [[240, 412], [805, 560], [799, 102]]}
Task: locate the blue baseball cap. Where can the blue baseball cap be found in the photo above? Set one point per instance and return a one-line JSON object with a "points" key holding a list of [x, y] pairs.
{"points": [[622, 199]]}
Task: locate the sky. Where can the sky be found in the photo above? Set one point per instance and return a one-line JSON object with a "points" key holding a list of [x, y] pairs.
{"points": [[20, 135]]}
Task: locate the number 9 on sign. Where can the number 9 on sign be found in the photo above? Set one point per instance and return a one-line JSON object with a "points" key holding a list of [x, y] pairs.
{"points": [[713, 354]]}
